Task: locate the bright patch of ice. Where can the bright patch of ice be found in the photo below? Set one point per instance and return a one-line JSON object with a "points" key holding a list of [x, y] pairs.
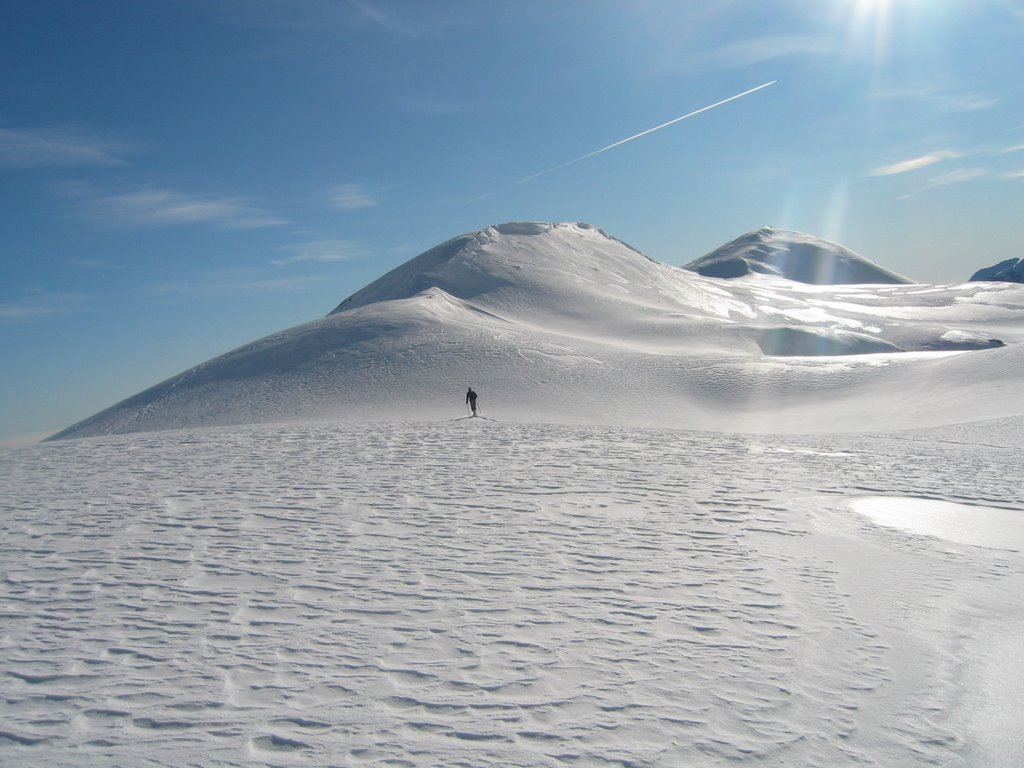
{"points": [[963, 523]]}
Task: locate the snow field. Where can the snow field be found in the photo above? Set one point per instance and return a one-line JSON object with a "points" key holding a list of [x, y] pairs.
{"points": [[483, 593]]}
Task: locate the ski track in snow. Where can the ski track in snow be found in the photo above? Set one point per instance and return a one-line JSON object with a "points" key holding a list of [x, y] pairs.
{"points": [[489, 594]]}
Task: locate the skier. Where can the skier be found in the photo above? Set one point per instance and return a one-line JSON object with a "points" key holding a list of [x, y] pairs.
{"points": [[471, 399]]}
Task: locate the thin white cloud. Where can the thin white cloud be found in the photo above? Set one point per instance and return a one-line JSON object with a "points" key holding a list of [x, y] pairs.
{"points": [[153, 208], [958, 177], [417, 20], [943, 101], [39, 306], [320, 251], [1014, 175], [351, 197], [915, 163], [393, 24], [746, 53], [962, 102], [230, 282], [58, 147]]}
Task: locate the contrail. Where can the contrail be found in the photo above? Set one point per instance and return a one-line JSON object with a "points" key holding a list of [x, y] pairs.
{"points": [[644, 133]]}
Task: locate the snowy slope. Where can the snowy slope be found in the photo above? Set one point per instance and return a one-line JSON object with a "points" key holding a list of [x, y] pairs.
{"points": [[560, 322]]}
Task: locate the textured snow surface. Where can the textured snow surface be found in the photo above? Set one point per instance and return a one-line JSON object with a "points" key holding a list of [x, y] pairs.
{"points": [[477, 593]]}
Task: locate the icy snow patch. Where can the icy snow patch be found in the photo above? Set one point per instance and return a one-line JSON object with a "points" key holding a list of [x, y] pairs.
{"points": [[963, 523]]}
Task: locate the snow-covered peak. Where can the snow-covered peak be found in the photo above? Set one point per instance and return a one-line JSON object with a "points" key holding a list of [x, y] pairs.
{"points": [[794, 256], [1008, 271], [523, 256]]}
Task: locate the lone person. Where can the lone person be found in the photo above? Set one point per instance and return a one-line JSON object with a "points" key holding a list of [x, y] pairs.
{"points": [[471, 399]]}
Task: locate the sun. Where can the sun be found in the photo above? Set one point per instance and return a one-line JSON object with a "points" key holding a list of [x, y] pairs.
{"points": [[875, 12], [864, 13], [869, 24], [867, 8]]}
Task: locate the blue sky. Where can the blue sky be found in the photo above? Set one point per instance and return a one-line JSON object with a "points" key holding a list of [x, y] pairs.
{"points": [[180, 177]]}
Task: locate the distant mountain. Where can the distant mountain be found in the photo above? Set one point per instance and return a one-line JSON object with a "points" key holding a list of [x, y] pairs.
{"points": [[794, 256], [564, 323], [1009, 271]]}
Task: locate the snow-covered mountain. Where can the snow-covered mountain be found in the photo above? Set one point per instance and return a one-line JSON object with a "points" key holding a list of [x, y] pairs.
{"points": [[563, 323], [1009, 270], [793, 255]]}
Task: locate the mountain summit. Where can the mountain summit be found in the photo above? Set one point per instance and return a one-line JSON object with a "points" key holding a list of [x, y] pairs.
{"points": [[1009, 271], [794, 256], [564, 323], [516, 264]]}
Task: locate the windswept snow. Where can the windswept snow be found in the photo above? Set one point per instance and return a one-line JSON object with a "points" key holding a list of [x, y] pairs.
{"points": [[561, 322], [490, 594]]}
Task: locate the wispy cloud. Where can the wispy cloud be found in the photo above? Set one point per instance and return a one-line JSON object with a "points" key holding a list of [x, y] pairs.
{"points": [[321, 251], [351, 197], [39, 306], [943, 101], [915, 163], [746, 53], [58, 147], [230, 283], [431, 20], [1014, 175], [957, 177], [152, 208]]}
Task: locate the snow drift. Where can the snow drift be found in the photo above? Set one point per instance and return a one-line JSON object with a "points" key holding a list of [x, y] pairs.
{"points": [[564, 323]]}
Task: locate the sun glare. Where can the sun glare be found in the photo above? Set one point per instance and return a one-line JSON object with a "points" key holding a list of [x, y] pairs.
{"points": [[875, 14], [868, 23], [867, 8]]}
